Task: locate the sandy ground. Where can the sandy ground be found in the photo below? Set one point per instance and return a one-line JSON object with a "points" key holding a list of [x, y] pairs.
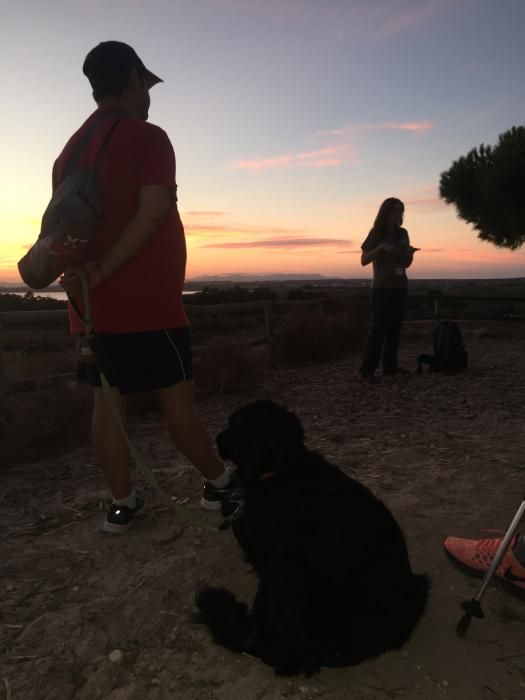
{"points": [[87, 616]]}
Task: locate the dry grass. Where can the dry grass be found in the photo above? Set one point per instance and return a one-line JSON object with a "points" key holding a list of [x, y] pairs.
{"points": [[43, 420], [314, 337], [44, 411], [228, 369], [212, 328]]}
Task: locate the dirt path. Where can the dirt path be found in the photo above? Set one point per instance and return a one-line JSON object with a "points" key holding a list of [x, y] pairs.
{"points": [[87, 616]]}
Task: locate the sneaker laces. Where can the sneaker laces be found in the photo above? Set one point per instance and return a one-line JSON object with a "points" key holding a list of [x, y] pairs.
{"points": [[491, 544], [486, 549]]}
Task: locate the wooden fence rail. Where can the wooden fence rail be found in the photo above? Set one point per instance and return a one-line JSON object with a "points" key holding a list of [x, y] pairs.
{"points": [[59, 317]]}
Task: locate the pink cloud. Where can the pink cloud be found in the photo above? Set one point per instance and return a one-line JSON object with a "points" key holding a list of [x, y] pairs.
{"points": [[401, 21], [240, 229], [280, 243], [341, 21], [418, 127], [329, 157], [425, 198], [350, 129]]}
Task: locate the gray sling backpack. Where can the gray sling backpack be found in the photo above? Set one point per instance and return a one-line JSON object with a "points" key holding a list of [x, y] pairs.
{"points": [[72, 217]]}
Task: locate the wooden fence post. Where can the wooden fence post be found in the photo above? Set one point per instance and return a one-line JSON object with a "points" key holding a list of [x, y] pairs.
{"points": [[268, 322]]}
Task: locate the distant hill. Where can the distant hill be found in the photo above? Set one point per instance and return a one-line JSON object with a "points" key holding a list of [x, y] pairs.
{"points": [[298, 280]]}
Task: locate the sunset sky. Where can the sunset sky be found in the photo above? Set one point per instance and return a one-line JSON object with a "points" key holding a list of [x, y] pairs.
{"points": [[291, 120]]}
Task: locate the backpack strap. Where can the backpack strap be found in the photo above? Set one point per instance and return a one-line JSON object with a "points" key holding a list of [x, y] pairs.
{"points": [[84, 140], [105, 143]]}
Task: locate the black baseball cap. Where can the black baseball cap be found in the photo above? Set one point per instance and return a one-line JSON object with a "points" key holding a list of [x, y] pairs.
{"points": [[114, 59]]}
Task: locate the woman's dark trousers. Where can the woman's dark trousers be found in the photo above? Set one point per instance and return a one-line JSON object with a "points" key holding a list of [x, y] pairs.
{"points": [[388, 311]]}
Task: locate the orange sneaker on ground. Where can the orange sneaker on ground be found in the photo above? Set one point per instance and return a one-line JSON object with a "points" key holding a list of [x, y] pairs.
{"points": [[475, 557]]}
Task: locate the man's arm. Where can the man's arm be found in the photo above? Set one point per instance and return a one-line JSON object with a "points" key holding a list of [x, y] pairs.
{"points": [[154, 204]]}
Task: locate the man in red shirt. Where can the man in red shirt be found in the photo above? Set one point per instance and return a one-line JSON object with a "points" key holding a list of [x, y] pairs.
{"points": [[135, 271]]}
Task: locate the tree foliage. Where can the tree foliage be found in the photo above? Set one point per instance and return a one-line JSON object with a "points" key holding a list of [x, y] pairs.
{"points": [[487, 186], [29, 302], [227, 295]]}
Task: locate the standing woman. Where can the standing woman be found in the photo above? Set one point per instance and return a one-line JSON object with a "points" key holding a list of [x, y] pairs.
{"points": [[387, 246]]}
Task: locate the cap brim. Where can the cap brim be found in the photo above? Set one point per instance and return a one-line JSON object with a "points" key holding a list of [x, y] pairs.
{"points": [[152, 78]]}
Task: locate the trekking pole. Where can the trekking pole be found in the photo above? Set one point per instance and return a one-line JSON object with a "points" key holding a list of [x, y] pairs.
{"points": [[472, 607]]}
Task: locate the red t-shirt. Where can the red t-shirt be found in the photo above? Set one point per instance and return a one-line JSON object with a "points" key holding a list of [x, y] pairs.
{"points": [[146, 293]]}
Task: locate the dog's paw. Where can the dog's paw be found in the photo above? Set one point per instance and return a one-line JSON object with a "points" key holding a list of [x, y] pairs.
{"points": [[297, 664], [227, 618], [211, 598]]}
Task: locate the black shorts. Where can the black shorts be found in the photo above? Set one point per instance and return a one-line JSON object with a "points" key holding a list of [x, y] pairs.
{"points": [[139, 362]]}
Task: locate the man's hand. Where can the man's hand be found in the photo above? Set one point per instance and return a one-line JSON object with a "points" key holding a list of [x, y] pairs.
{"points": [[71, 280]]}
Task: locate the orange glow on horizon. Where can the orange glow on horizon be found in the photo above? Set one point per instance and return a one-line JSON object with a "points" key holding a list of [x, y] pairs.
{"points": [[318, 242]]}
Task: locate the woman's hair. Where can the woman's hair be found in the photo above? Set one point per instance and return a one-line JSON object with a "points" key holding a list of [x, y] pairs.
{"points": [[381, 220]]}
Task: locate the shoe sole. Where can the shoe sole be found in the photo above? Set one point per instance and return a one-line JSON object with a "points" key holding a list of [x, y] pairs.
{"points": [[210, 505], [114, 529], [515, 591]]}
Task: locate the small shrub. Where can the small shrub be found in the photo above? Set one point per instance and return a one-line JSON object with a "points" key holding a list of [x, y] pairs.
{"points": [[306, 293], [214, 329], [203, 328], [35, 363], [44, 339], [314, 337], [29, 302], [225, 369], [48, 420], [226, 295]]}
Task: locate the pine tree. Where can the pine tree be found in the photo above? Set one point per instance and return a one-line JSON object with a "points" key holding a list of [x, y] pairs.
{"points": [[487, 186]]}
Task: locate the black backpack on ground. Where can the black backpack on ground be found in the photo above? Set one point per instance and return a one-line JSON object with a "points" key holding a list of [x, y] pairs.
{"points": [[449, 355]]}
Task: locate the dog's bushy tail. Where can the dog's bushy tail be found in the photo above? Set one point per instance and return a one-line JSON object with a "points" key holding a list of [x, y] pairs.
{"points": [[228, 620]]}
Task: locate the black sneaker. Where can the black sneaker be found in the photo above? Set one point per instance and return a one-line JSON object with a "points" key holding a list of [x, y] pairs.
{"points": [[396, 370], [119, 518], [227, 500]]}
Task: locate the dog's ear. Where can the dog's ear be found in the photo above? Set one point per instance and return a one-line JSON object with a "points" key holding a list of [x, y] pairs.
{"points": [[290, 430], [267, 437], [283, 440]]}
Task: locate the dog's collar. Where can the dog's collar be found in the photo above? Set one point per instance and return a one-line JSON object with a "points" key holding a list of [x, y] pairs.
{"points": [[266, 476]]}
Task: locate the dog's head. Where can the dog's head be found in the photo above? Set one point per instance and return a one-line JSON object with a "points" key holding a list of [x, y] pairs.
{"points": [[261, 438]]}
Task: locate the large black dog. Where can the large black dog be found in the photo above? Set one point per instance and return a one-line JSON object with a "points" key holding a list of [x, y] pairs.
{"points": [[335, 583]]}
